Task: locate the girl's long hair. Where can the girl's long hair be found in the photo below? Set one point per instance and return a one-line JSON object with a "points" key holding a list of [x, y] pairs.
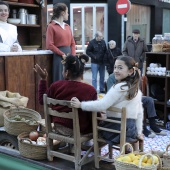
{"points": [[132, 81]]}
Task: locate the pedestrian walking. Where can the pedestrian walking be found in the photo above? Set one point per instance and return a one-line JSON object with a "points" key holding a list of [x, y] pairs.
{"points": [[96, 49], [135, 47]]}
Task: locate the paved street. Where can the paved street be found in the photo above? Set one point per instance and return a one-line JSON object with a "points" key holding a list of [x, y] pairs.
{"points": [[88, 77]]}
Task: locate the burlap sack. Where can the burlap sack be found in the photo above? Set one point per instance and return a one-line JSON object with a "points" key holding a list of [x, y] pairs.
{"points": [[9, 100]]}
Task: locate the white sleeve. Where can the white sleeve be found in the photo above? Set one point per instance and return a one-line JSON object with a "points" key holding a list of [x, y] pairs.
{"points": [[4, 47], [139, 120], [111, 98]]}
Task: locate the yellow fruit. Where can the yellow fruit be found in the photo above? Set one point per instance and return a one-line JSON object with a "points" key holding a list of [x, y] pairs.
{"points": [[145, 159], [131, 155], [138, 156], [136, 162], [149, 161], [126, 159], [135, 158], [155, 159], [143, 164], [119, 159]]}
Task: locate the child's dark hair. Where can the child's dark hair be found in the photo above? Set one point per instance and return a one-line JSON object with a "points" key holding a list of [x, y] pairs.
{"points": [[75, 65], [132, 80], [4, 3], [57, 9]]}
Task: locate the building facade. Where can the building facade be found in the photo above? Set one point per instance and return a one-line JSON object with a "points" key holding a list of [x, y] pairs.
{"points": [[150, 16]]}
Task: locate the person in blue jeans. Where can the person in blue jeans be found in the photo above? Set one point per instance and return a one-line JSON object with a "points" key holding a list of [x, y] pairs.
{"points": [[96, 50], [149, 106]]}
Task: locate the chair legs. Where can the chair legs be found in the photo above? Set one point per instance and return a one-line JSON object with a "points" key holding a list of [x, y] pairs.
{"points": [[138, 146], [50, 158], [97, 151], [110, 152], [135, 146], [49, 148], [77, 156]]}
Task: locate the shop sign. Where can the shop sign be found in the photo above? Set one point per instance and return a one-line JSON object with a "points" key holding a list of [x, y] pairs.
{"points": [[167, 1]]}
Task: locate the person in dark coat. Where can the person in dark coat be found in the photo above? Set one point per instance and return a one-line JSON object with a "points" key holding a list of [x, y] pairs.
{"points": [[111, 56], [135, 47], [96, 50]]}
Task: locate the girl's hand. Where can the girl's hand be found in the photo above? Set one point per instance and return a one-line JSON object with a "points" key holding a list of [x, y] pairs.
{"points": [[41, 72], [141, 137], [75, 103]]}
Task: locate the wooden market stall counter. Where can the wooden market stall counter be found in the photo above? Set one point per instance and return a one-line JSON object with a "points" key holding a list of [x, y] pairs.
{"points": [[17, 74]]}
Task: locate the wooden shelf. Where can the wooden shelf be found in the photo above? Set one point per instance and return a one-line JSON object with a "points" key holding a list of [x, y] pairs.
{"points": [[162, 81], [156, 76], [22, 4], [27, 25], [30, 34], [158, 102]]}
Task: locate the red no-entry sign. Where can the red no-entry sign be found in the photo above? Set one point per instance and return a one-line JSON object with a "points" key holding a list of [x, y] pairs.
{"points": [[123, 6]]}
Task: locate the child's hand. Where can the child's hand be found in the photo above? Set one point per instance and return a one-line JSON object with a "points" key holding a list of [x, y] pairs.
{"points": [[75, 103], [41, 72]]}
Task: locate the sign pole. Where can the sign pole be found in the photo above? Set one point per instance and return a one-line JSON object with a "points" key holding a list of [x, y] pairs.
{"points": [[122, 32], [122, 7]]}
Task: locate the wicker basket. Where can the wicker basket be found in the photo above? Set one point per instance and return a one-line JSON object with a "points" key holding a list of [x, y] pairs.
{"points": [[29, 150], [166, 158], [17, 127], [157, 47], [119, 165]]}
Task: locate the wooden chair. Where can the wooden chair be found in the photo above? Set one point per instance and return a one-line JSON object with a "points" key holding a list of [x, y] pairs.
{"points": [[99, 142], [77, 139]]}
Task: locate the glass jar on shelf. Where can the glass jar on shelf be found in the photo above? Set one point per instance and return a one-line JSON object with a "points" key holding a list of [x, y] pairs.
{"points": [[167, 37], [158, 39]]}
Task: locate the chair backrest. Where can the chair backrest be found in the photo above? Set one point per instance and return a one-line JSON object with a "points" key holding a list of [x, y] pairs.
{"points": [[70, 115], [122, 123]]}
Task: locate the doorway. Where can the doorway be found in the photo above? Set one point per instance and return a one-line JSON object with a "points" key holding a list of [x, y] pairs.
{"points": [[85, 20]]}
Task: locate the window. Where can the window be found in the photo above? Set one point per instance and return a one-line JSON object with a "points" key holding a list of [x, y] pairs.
{"points": [[86, 19]]}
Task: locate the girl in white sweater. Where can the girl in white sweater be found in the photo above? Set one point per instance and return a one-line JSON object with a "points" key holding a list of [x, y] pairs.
{"points": [[125, 93]]}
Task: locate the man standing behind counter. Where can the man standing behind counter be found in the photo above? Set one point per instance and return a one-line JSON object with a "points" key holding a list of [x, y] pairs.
{"points": [[96, 49], [8, 32], [135, 47]]}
